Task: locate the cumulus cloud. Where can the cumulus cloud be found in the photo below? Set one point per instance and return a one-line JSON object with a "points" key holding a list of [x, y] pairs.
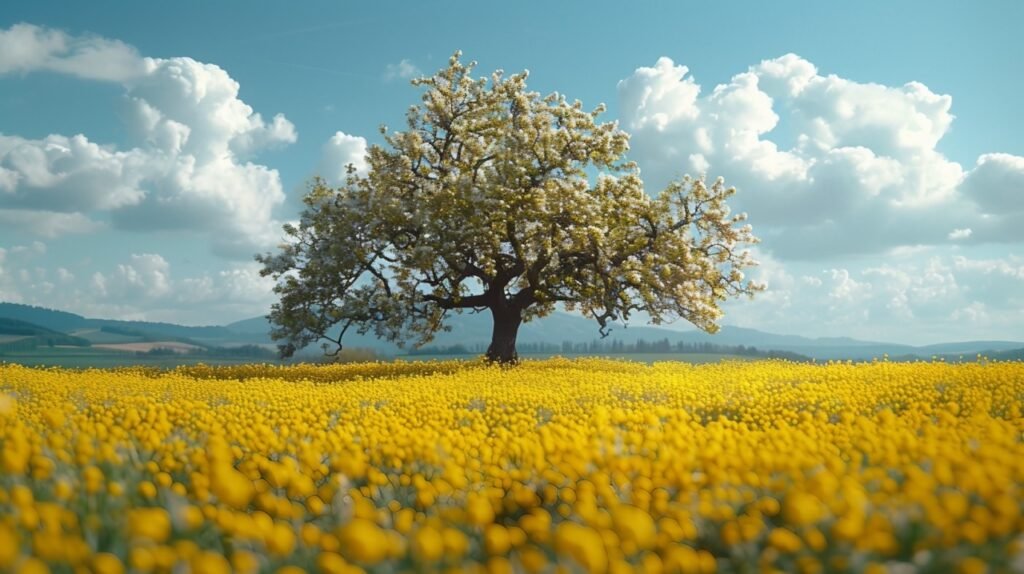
{"points": [[70, 174], [191, 168], [910, 298], [853, 168], [143, 287], [996, 184], [403, 70], [144, 277], [47, 224], [20, 272], [962, 233], [340, 151], [26, 48]]}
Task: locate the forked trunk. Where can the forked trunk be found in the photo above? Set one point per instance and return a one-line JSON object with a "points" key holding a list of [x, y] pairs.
{"points": [[503, 336]]}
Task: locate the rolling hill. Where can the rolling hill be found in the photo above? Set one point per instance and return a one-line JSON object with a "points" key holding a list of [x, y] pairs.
{"points": [[65, 322], [18, 334], [473, 330]]}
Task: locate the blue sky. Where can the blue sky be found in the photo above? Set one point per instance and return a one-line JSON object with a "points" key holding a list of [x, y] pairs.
{"points": [[875, 145]]}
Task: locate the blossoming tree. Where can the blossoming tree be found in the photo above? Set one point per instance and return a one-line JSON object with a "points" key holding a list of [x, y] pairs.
{"points": [[499, 199]]}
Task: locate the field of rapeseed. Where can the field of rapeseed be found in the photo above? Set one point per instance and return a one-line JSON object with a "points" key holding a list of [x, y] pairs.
{"points": [[557, 465]]}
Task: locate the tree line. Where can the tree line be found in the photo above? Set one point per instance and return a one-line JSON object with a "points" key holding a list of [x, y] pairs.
{"points": [[618, 347]]}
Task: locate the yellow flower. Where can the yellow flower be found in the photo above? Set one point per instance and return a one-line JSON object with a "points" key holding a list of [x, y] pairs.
{"points": [[428, 544], [478, 510], [244, 562], [16, 454], [784, 540], [92, 478], [582, 544], [403, 520], [363, 541], [455, 542], [147, 489], [9, 542], [209, 563], [152, 524], [532, 559], [231, 487], [191, 517], [848, 528], [280, 540], [331, 563], [141, 558], [32, 565], [682, 559], [106, 563], [706, 562], [62, 490], [634, 526], [955, 503], [21, 496], [115, 489], [815, 539], [310, 534], [972, 565], [589, 464], [496, 539], [801, 509]]}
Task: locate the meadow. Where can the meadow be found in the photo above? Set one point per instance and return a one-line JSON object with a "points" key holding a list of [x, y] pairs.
{"points": [[557, 465]]}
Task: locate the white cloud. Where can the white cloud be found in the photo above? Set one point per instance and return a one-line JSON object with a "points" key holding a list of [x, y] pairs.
{"points": [[241, 284], [190, 169], [974, 313], [144, 287], [825, 165], [996, 184], [144, 277], [404, 70], [914, 297], [961, 233], [19, 272], [997, 281], [26, 48], [845, 290], [193, 107], [32, 249], [5, 294], [338, 153], [47, 224], [71, 174]]}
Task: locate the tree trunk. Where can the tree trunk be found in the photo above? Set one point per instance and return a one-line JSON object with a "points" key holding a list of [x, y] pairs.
{"points": [[503, 336]]}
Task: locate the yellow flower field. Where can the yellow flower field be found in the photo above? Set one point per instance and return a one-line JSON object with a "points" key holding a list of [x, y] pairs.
{"points": [[555, 466]]}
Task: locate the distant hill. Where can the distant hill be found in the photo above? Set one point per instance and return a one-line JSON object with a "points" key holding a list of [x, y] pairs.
{"points": [[1010, 355], [10, 326], [65, 322], [17, 334], [43, 317], [473, 330], [256, 325], [1005, 355]]}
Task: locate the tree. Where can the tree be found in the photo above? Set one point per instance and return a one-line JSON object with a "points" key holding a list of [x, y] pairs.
{"points": [[498, 199]]}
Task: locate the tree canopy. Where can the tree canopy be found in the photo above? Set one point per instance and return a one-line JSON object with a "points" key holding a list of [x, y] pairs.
{"points": [[498, 199]]}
